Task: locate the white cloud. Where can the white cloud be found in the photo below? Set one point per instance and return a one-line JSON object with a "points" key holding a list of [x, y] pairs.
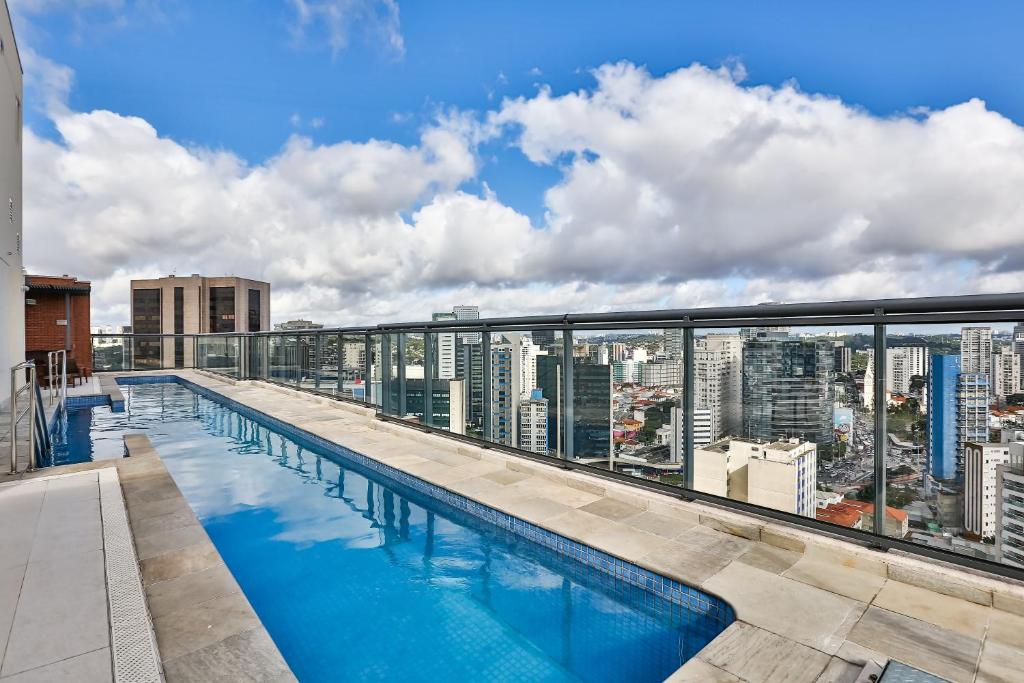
{"points": [[332, 23], [682, 190]]}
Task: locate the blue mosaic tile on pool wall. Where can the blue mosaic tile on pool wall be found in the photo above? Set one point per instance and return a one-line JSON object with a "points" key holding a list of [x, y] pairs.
{"points": [[87, 401], [669, 589]]}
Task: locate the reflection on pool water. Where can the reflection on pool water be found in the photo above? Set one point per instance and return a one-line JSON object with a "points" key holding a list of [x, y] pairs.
{"points": [[357, 577]]}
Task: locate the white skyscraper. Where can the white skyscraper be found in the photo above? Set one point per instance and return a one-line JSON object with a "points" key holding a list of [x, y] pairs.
{"points": [[718, 381], [533, 423], [445, 342], [976, 351], [902, 363], [1006, 376], [513, 377], [468, 313], [980, 463], [1009, 494], [673, 342]]}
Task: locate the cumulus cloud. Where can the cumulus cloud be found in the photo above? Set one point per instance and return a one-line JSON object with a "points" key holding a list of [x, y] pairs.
{"points": [[687, 189], [332, 22], [709, 178]]}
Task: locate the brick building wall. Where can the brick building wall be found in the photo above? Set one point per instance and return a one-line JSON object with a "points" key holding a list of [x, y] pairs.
{"points": [[57, 299]]}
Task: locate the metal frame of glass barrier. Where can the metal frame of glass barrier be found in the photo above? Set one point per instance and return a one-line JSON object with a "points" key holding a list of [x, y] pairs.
{"points": [[876, 314]]}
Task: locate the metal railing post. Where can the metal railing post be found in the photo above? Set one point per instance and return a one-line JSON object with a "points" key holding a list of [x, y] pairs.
{"points": [[14, 420], [688, 447], [485, 370], [317, 359], [385, 374], [428, 379], [402, 407], [339, 380], [881, 432], [567, 419], [32, 408], [367, 368]]}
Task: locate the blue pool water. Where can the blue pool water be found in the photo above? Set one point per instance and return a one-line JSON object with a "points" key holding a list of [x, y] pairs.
{"points": [[357, 577]]}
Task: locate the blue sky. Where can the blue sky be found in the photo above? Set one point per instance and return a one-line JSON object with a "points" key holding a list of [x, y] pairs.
{"points": [[243, 77], [232, 74]]}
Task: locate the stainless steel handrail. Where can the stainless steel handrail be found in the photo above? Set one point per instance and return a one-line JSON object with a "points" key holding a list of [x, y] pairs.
{"points": [[30, 366], [54, 360]]}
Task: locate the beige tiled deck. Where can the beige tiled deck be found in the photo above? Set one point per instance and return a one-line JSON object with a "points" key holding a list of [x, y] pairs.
{"points": [[810, 608]]}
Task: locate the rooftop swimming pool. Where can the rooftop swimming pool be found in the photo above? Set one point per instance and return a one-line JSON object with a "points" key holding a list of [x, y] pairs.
{"points": [[360, 576]]}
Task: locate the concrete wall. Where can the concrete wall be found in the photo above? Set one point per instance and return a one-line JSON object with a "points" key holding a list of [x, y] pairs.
{"points": [[12, 298]]}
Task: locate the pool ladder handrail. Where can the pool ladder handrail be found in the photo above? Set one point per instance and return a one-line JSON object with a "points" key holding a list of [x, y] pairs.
{"points": [[58, 383], [30, 388]]}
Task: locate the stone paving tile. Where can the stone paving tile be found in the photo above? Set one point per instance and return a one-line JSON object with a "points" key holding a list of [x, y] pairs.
{"points": [[62, 613], [836, 578], [697, 670], [658, 524], [839, 671], [190, 589], [91, 667], [612, 509], [1000, 663], [10, 588], [160, 542], [926, 646], [951, 613], [198, 626], [248, 656], [688, 563], [536, 509], [194, 557], [769, 558], [754, 654], [803, 613], [506, 476]]}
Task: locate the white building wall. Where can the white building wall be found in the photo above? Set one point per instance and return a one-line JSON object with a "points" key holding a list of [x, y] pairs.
{"points": [[976, 351], [12, 296], [1006, 376], [533, 425], [1010, 508], [980, 463]]}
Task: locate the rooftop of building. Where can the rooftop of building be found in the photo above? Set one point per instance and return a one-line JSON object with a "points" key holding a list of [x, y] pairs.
{"points": [[57, 283]]}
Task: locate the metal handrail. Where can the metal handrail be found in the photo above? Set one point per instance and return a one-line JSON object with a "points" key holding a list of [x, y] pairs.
{"points": [[30, 366], [58, 388]]}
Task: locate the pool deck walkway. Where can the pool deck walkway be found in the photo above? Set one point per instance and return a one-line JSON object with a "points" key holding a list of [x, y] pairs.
{"points": [[809, 607]]}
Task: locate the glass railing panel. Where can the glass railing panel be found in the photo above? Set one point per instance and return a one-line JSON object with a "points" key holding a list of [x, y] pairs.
{"points": [[956, 428], [783, 418], [111, 353], [219, 353]]}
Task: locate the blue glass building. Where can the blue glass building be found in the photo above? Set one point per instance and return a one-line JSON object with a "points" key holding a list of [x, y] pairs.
{"points": [[942, 426]]}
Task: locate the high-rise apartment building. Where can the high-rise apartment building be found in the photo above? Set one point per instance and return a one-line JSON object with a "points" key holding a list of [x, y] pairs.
{"points": [[976, 351], [1006, 375], [1018, 339], [703, 431], [445, 349], [903, 363], [942, 412], [446, 402], [544, 339], [468, 313], [193, 305], [618, 351], [12, 297], [533, 423], [469, 367], [667, 373], [718, 381], [673, 342], [1009, 526], [781, 475], [592, 405], [980, 463], [972, 394], [513, 375], [843, 357], [788, 390]]}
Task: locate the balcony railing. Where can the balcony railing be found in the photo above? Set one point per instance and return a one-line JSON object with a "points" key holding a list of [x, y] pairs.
{"points": [[769, 376]]}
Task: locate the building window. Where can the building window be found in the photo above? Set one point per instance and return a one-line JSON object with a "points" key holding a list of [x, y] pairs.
{"points": [[146, 320], [254, 310], [222, 309], [179, 327]]}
